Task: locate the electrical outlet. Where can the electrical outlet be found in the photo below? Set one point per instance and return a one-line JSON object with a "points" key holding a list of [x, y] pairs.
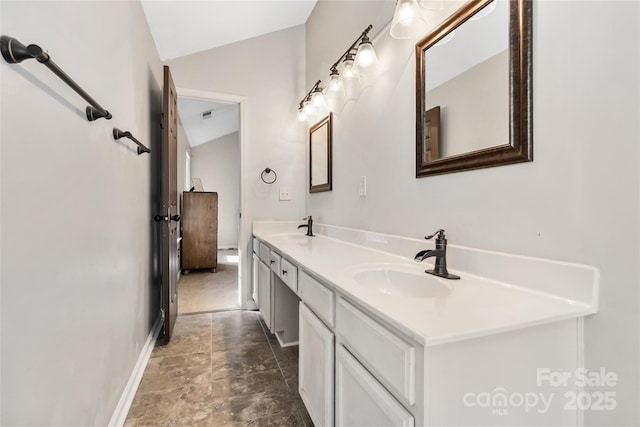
{"points": [[362, 188], [285, 194]]}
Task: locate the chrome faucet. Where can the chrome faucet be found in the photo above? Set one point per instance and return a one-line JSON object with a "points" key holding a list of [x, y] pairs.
{"points": [[308, 225], [440, 252]]}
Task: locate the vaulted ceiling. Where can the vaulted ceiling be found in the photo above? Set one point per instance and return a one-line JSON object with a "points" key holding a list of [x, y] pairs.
{"points": [[182, 27]]}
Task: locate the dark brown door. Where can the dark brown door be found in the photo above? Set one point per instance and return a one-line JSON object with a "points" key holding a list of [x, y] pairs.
{"points": [[169, 219], [432, 134]]}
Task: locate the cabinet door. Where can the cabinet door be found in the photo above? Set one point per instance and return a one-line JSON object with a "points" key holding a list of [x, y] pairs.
{"points": [[254, 279], [361, 400], [264, 283], [315, 376]]}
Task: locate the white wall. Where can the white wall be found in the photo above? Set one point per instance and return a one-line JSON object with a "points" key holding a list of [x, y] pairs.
{"points": [[77, 298], [217, 164], [578, 201], [474, 107]]}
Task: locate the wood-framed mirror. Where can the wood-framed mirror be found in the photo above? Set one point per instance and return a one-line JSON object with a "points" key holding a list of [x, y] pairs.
{"points": [[320, 140], [474, 89]]}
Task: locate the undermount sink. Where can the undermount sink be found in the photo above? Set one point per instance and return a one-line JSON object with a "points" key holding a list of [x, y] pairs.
{"points": [[401, 282]]}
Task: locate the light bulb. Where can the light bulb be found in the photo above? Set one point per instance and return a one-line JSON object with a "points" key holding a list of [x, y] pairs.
{"points": [[335, 84], [366, 58], [350, 72]]}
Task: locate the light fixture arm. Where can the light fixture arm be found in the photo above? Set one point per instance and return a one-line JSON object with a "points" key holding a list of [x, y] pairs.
{"points": [[308, 95], [362, 36]]}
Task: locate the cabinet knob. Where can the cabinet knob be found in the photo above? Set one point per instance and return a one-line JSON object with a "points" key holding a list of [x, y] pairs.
{"points": [[284, 272]]}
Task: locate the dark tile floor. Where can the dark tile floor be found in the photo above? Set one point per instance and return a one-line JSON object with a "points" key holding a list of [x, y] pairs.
{"points": [[220, 369]]}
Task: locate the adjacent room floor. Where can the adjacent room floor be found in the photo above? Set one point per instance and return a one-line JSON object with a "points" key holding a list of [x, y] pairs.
{"points": [[220, 369], [202, 291]]}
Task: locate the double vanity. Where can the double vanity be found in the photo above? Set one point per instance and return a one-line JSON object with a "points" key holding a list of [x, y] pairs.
{"points": [[384, 343]]}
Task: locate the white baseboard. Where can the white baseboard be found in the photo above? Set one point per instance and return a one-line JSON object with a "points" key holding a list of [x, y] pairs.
{"points": [[124, 404]]}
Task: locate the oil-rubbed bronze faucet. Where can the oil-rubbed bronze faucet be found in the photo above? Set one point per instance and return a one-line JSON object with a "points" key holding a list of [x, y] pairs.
{"points": [[308, 225], [440, 252]]}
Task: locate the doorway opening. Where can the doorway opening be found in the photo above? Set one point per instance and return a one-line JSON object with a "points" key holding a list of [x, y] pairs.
{"points": [[210, 152]]}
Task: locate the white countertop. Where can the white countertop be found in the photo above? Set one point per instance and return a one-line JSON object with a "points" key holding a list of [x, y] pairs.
{"points": [[475, 306]]}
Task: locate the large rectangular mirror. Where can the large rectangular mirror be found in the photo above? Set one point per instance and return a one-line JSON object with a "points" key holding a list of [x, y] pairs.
{"points": [[473, 89], [320, 136]]}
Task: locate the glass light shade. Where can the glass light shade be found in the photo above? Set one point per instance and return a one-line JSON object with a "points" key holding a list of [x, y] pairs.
{"points": [[349, 71], [407, 20], [366, 58], [302, 116], [335, 92], [308, 109], [432, 4], [335, 87], [319, 103]]}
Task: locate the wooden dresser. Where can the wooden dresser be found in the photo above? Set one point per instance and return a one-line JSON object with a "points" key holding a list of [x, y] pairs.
{"points": [[199, 231]]}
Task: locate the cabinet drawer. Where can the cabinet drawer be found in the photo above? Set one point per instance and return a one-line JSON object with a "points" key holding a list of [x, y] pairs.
{"points": [[389, 358], [318, 297], [289, 274], [274, 262], [361, 400], [256, 245], [264, 253]]}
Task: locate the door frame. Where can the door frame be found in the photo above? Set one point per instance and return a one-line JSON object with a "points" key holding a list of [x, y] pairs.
{"points": [[244, 238]]}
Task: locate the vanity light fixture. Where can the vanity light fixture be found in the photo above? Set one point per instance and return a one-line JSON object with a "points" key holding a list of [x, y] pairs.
{"points": [[349, 70], [360, 54], [336, 86], [366, 55], [318, 102], [359, 58], [408, 21], [307, 106]]}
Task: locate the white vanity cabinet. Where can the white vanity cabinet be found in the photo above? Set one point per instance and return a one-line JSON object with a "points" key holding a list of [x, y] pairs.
{"points": [[389, 357], [277, 301], [374, 368], [255, 284], [264, 285], [361, 400], [315, 378], [378, 348]]}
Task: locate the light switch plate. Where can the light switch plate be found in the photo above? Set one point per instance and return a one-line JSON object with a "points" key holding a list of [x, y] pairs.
{"points": [[285, 194]]}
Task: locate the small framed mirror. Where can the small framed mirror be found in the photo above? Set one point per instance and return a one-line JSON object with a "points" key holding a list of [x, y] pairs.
{"points": [[474, 89], [320, 136]]}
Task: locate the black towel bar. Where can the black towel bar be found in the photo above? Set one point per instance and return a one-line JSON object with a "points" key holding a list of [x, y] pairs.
{"points": [[15, 52], [117, 134]]}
